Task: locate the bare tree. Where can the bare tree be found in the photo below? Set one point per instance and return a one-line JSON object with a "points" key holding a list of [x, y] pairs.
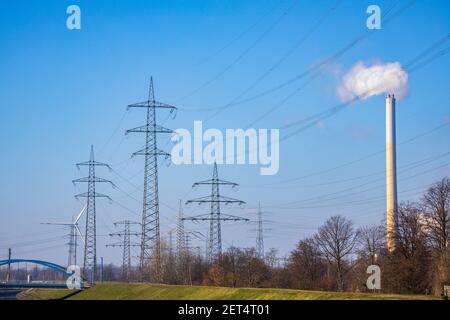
{"points": [[336, 239], [371, 242], [436, 203], [437, 210], [410, 232], [407, 269], [271, 258], [307, 266], [238, 268], [253, 269]]}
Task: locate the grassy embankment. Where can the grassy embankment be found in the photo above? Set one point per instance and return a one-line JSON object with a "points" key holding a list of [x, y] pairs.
{"points": [[117, 291]]}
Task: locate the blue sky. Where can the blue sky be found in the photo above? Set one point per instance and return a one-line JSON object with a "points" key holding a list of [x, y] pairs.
{"points": [[63, 90]]}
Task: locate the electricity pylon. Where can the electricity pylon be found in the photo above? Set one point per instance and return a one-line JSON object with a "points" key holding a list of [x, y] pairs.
{"points": [[90, 243], [73, 236], [184, 248], [171, 242], [259, 235], [215, 216], [150, 238], [181, 239], [126, 244]]}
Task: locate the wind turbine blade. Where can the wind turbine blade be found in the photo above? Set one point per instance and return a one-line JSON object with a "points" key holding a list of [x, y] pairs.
{"points": [[56, 224], [79, 215], [79, 232]]}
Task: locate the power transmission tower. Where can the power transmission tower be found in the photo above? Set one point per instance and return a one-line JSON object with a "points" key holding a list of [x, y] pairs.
{"points": [[126, 244], [184, 248], [171, 242], [150, 238], [73, 237], [90, 244], [72, 258], [181, 240], [259, 235], [207, 247], [215, 216]]}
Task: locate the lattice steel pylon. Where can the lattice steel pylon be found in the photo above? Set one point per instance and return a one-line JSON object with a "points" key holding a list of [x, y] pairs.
{"points": [[215, 216], [126, 244], [90, 243], [259, 234], [181, 239], [150, 238]]}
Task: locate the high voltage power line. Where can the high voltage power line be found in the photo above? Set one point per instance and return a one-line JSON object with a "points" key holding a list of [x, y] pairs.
{"points": [[269, 186], [314, 69], [310, 121], [240, 35], [245, 52], [284, 57], [379, 152], [32, 234], [320, 197], [410, 166], [33, 242]]}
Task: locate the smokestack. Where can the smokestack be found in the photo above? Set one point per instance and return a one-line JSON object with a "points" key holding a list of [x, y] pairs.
{"points": [[391, 173]]}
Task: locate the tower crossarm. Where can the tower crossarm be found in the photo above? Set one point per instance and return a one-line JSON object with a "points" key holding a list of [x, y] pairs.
{"points": [[145, 129], [123, 233], [120, 244], [93, 163], [152, 104], [129, 222], [219, 199], [229, 217], [219, 182], [94, 179], [113, 245], [145, 151], [209, 217], [95, 194], [196, 234]]}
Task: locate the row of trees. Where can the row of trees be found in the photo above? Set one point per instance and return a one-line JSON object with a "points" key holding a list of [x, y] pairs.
{"points": [[336, 257]]}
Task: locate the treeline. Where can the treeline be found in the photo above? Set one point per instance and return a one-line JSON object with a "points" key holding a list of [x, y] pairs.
{"points": [[336, 257]]}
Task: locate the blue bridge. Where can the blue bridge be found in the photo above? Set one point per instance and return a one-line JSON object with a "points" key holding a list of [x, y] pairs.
{"points": [[50, 265]]}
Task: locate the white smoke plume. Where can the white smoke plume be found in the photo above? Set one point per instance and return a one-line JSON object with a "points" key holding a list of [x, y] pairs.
{"points": [[364, 81]]}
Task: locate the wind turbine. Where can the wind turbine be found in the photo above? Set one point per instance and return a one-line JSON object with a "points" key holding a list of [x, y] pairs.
{"points": [[74, 230]]}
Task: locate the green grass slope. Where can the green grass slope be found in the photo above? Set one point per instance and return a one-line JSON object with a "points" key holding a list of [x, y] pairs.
{"points": [[43, 294], [119, 291]]}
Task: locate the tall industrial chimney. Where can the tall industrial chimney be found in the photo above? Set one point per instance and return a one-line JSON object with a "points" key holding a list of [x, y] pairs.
{"points": [[391, 173]]}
